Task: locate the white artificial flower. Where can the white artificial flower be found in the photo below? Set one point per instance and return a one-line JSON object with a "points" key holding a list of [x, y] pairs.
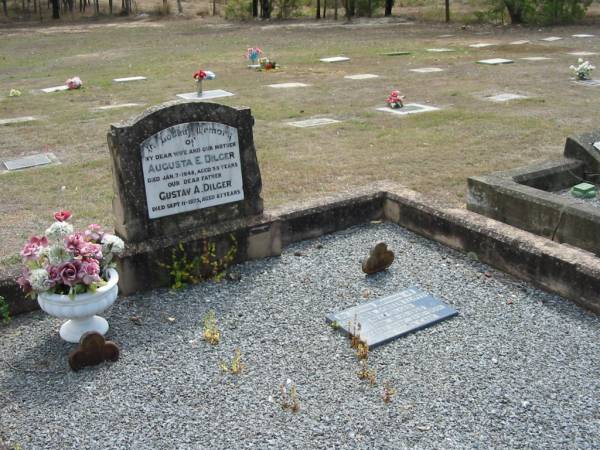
{"points": [[59, 230], [112, 243], [39, 280], [57, 254]]}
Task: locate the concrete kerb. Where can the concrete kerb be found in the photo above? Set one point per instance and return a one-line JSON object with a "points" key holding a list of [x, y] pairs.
{"points": [[570, 272]]}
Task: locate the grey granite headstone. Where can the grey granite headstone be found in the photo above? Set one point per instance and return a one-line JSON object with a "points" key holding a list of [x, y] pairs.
{"points": [[183, 165], [391, 317]]}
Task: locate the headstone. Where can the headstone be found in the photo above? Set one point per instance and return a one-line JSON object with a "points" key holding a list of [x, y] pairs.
{"points": [[206, 95], [506, 97], [64, 87], [551, 39], [519, 42], [481, 45], [29, 161], [391, 317], [313, 122], [582, 53], [583, 35], [361, 76], [536, 58], [334, 59], [495, 61], [183, 165], [126, 79], [427, 70], [288, 85], [117, 106], [17, 120], [410, 108], [440, 50]]}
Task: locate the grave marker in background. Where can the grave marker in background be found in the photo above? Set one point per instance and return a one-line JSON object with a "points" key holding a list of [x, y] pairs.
{"points": [[126, 79], [495, 61], [206, 95], [13, 120], [287, 85], [335, 59], [26, 162], [361, 76], [427, 70], [409, 108], [313, 122]]}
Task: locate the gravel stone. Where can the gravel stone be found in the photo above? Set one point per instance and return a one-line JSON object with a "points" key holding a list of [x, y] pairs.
{"points": [[498, 375]]}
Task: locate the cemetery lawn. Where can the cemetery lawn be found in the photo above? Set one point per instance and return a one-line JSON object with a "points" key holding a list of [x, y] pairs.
{"points": [[432, 152]]}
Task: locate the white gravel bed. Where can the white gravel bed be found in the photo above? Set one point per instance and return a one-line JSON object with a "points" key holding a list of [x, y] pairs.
{"points": [[517, 368], [594, 201]]}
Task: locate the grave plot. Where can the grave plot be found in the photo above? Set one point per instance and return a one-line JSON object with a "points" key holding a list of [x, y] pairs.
{"points": [[117, 106], [583, 35], [409, 108], [288, 85], [427, 70], [14, 120], [505, 97], [128, 79], [361, 76], [440, 50], [398, 53], [519, 42], [27, 162], [495, 61], [535, 58], [582, 53], [334, 59], [206, 95], [481, 45], [588, 83], [313, 122], [551, 39]]}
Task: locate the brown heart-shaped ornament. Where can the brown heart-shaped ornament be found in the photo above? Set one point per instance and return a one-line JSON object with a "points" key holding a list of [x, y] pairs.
{"points": [[93, 349], [380, 258]]}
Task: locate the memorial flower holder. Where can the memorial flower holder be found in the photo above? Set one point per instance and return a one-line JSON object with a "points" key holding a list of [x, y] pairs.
{"points": [[74, 83], [72, 275], [266, 64], [582, 70], [253, 54], [395, 100], [200, 76]]}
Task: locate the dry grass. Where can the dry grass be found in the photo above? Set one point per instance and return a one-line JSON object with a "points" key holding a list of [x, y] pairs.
{"points": [[433, 152]]}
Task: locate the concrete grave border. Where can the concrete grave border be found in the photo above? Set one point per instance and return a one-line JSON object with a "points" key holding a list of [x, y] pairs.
{"points": [[565, 270]]}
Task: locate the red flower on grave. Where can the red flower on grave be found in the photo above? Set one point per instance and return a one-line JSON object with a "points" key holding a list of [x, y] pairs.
{"points": [[200, 75], [62, 215]]}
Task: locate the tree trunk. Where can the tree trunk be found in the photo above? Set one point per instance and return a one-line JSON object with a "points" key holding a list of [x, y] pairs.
{"points": [[335, 10], [97, 6], [318, 10], [254, 8], [352, 8], [370, 6], [265, 7], [515, 12], [165, 6], [110, 8], [180, 7], [5, 7], [214, 7], [389, 4], [324, 9], [55, 9], [447, 10]]}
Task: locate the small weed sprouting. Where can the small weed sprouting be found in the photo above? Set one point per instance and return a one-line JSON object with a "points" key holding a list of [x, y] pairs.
{"points": [[362, 351], [237, 366], [211, 333], [4, 313], [206, 266], [289, 397], [388, 393], [367, 374], [334, 325], [361, 347]]}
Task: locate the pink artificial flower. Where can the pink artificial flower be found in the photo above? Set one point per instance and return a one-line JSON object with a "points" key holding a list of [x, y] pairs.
{"points": [[68, 272], [23, 281], [75, 243], [91, 250], [89, 271], [62, 215], [31, 249], [94, 232], [53, 275]]}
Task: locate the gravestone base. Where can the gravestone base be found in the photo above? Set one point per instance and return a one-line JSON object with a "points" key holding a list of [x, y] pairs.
{"points": [[144, 264]]}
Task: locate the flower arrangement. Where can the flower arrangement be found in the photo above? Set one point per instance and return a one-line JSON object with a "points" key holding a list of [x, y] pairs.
{"points": [[395, 100], [267, 64], [74, 83], [201, 75], [64, 261], [253, 54], [14, 93], [583, 70]]}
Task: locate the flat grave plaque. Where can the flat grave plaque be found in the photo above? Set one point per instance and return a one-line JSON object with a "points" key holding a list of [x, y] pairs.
{"points": [[583, 35], [597, 145], [590, 83], [117, 106], [481, 45], [439, 50], [551, 39], [536, 58], [28, 161], [361, 76], [495, 61], [446, 35], [582, 53], [206, 95], [17, 120], [519, 42], [391, 317], [505, 97], [313, 122], [334, 59], [409, 108], [288, 85], [427, 70], [126, 79], [64, 87], [398, 53]]}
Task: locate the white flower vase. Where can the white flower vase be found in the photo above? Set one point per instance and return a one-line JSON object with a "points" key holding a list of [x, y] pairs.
{"points": [[81, 310]]}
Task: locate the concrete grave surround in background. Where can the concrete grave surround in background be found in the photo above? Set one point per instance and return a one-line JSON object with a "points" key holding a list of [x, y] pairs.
{"points": [[582, 53], [334, 59], [589, 83], [551, 39], [14, 120], [505, 97], [206, 95], [313, 122], [26, 162], [49, 90], [427, 70], [583, 35], [440, 50], [361, 76], [126, 79], [117, 106], [287, 85], [409, 108], [519, 42], [536, 58], [495, 61], [481, 45]]}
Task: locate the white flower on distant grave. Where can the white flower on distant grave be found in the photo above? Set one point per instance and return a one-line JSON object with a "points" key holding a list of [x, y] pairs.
{"points": [[39, 280], [14, 93], [583, 70], [59, 230], [112, 244]]}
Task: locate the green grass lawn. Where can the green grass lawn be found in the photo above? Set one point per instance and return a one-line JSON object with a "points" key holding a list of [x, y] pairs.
{"points": [[432, 152]]}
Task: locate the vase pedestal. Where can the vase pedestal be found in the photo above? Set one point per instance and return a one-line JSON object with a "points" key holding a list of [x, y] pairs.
{"points": [[73, 329]]}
